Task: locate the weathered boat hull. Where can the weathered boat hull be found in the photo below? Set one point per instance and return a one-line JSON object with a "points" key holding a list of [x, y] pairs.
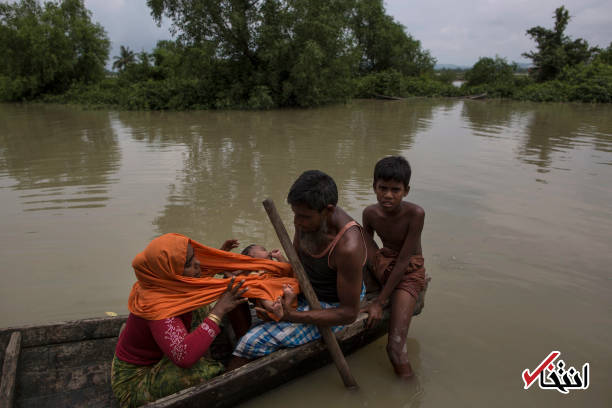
{"points": [[269, 372], [67, 364]]}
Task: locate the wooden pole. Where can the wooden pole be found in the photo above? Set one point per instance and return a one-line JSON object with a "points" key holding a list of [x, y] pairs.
{"points": [[9, 371], [309, 293]]}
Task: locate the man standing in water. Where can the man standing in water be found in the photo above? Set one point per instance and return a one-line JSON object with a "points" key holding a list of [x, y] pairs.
{"points": [[331, 247]]}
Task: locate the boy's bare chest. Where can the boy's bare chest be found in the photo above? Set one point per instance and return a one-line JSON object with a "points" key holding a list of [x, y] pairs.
{"points": [[392, 231]]}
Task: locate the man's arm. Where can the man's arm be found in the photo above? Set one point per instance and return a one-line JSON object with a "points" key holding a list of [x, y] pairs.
{"points": [[347, 256], [371, 245], [411, 246]]}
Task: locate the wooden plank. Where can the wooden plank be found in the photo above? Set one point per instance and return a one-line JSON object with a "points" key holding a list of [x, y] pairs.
{"points": [[60, 368], [94, 397], [9, 371], [309, 293], [63, 332]]}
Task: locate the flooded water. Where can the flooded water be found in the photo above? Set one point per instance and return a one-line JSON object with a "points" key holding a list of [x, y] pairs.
{"points": [[517, 236]]}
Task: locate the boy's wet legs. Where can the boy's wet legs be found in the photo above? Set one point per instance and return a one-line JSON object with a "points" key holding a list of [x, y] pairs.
{"points": [[402, 308]]}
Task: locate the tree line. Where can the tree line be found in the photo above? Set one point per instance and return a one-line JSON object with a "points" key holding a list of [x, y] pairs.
{"points": [[262, 54], [563, 69]]}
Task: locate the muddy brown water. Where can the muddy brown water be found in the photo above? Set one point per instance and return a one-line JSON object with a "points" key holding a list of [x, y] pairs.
{"points": [[517, 238]]}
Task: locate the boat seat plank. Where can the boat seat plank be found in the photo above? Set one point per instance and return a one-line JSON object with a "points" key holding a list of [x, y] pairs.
{"points": [[63, 367], [9, 371], [63, 380]]}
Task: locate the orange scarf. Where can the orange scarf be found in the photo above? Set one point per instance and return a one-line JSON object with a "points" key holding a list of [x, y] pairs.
{"points": [[162, 291]]}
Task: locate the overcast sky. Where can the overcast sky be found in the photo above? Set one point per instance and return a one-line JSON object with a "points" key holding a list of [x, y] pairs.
{"points": [[455, 32]]}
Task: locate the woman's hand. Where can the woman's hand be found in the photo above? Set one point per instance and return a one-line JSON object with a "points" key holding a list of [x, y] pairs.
{"points": [[230, 299], [229, 245]]}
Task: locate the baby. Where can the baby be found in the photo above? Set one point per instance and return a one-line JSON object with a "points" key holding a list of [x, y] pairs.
{"points": [[258, 251], [265, 308]]}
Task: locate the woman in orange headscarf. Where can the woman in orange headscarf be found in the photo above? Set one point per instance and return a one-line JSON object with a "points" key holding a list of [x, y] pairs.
{"points": [[156, 355]]}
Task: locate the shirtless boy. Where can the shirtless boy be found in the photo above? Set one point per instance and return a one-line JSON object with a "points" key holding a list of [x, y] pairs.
{"points": [[398, 266]]}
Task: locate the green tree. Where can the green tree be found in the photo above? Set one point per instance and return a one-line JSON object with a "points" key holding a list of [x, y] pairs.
{"points": [[384, 43], [555, 50], [295, 52], [230, 25], [448, 76], [125, 58], [263, 47], [604, 56], [490, 71], [46, 48]]}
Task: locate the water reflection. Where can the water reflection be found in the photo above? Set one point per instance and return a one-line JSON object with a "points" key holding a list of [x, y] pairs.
{"points": [[544, 131], [233, 158], [489, 119], [65, 157], [493, 235], [557, 128]]}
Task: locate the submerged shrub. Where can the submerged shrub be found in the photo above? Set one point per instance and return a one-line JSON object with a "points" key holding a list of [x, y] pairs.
{"points": [[260, 98]]}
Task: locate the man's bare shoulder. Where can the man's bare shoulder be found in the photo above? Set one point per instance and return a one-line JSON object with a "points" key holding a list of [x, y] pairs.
{"points": [[350, 245]]}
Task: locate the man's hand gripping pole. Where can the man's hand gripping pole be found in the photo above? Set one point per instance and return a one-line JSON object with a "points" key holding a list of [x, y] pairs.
{"points": [[311, 297]]}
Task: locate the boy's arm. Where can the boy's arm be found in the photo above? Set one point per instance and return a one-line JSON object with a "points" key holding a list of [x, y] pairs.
{"points": [[411, 246]]}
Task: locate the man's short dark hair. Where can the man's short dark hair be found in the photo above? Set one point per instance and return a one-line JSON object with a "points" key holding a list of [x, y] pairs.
{"points": [[314, 189], [393, 168]]}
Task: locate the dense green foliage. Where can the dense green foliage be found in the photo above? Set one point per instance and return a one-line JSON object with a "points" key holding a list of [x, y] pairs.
{"points": [[261, 54], [254, 54], [383, 44], [491, 71], [287, 52], [48, 48], [393, 83], [604, 56]]}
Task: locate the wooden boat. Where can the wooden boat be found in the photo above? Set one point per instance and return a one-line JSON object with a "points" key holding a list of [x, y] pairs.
{"points": [[67, 364], [479, 96]]}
